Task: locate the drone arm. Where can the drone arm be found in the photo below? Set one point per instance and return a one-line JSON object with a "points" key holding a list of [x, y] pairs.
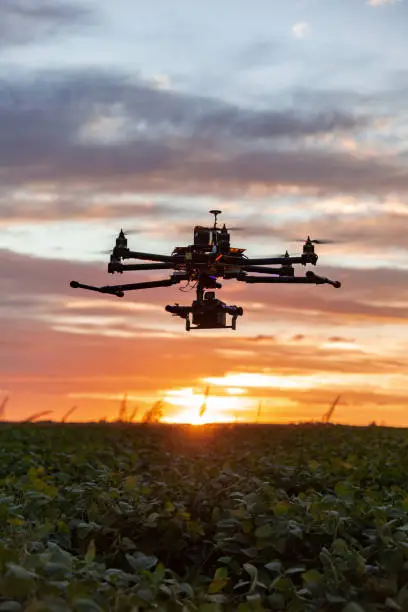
{"points": [[127, 254], [301, 259], [309, 278], [76, 285], [166, 282], [273, 260], [118, 290], [117, 266], [261, 269]]}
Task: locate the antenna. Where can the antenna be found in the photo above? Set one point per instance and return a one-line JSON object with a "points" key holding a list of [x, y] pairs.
{"points": [[215, 213]]}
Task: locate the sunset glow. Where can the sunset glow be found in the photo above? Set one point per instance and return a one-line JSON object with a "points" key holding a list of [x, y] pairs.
{"points": [[219, 408]]}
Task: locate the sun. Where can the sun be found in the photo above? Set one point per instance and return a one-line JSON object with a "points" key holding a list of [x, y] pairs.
{"points": [[217, 408]]}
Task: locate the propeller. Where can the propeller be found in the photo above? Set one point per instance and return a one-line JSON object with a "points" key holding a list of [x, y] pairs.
{"points": [[131, 231], [316, 240], [323, 241], [126, 232]]}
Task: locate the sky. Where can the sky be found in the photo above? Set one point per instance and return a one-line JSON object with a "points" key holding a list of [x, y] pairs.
{"points": [[290, 117]]}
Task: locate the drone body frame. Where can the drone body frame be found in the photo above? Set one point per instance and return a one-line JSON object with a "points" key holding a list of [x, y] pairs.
{"points": [[209, 258]]}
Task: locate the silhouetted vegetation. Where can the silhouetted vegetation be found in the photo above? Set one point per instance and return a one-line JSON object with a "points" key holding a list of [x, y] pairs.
{"points": [[155, 413]]}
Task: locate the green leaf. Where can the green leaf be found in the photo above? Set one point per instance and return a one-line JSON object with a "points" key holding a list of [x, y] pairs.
{"points": [[277, 601], [404, 504], [130, 483], [340, 547], [335, 599], [252, 553], [283, 585], [219, 581], [345, 490], [254, 598], [265, 531], [60, 556], [146, 595], [187, 589], [281, 508], [15, 522], [253, 574], [86, 605], [221, 572], [17, 582], [295, 570], [312, 577], [56, 570], [90, 552], [140, 562], [274, 566], [159, 573]]}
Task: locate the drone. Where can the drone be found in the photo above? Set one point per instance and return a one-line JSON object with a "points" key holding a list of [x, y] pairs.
{"points": [[200, 265]]}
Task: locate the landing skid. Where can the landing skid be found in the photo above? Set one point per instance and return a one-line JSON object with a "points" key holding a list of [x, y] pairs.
{"points": [[233, 325]]}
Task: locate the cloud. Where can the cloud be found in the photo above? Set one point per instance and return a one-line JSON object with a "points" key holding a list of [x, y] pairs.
{"points": [[23, 22], [380, 231], [54, 130], [263, 339], [325, 172], [52, 205], [82, 100], [369, 229], [301, 29]]}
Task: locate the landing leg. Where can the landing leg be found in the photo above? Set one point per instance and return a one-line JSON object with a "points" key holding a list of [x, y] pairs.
{"points": [[200, 292]]}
